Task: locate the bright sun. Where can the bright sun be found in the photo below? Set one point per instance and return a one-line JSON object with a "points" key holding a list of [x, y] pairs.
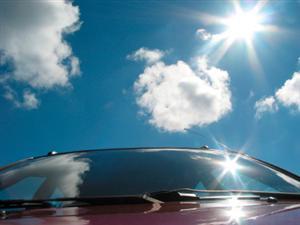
{"points": [[242, 25]]}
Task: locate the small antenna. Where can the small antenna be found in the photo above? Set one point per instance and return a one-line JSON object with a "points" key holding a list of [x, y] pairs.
{"points": [[203, 136], [51, 153], [204, 147]]}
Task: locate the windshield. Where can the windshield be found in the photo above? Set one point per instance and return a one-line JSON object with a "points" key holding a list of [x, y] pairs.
{"points": [[138, 171]]}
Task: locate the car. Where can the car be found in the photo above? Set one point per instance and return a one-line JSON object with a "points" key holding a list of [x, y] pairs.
{"points": [[157, 186]]}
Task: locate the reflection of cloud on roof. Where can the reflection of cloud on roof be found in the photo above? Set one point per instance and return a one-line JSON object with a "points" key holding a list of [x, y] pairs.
{"points": [[65, 170]]}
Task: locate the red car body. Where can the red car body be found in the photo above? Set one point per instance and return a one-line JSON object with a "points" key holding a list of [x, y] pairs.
{"points": [[173, 213]]}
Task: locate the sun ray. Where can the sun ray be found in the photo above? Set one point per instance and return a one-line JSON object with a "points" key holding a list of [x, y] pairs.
{"points": [[253, 59], [259, 6], [208, 19], [221, 51], [236, 6]]}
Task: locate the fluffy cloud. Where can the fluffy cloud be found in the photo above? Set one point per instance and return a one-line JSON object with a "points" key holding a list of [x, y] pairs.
{"points": [[32, 42], [265, 105], [288, 96], [177, 96], [29, 99], [203, 34], [150, 56]]}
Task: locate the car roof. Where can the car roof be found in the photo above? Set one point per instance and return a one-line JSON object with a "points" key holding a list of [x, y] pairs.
{"points": [[200, 149]]}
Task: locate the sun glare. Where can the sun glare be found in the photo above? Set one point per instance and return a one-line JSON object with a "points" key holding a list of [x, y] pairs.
{"points": [[235, 214], [242, 25], [230, 165]]}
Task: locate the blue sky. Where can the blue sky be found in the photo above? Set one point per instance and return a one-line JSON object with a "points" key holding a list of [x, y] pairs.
{"points": [[101, 74]]}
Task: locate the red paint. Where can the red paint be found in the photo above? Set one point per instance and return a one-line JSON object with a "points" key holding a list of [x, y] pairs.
{"points": [[176, 213]]}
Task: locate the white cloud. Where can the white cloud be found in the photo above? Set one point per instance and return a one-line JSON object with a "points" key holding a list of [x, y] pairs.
{"points": [[203, 34], [74, 66], [177, 97], [29, 99], [265, 105], [149, 55], [32, 41], [289, 94]]}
